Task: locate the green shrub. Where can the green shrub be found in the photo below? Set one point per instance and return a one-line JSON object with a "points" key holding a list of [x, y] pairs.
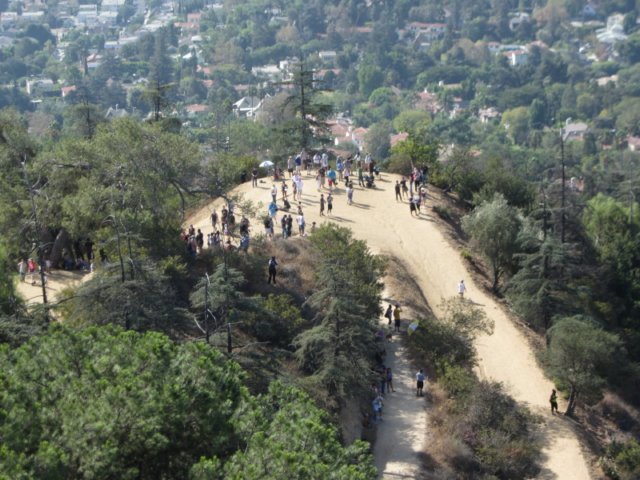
{"points": [[466, 255], [623, 460], [499, 431], [443, 212]]}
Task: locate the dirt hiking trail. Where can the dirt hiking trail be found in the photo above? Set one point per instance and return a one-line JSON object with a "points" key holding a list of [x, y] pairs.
{"points": [[437, 268]]}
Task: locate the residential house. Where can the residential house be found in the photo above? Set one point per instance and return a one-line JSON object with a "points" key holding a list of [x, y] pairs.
{"points": [[633, 143], [428, 101], [111, 5], [247, 107], [613, 32], [196, 109], [327, 55], [487, 115], [517, 19], [574, 130], [517, 57], [396, 138], [267, 72], [40, 86], [115, 112]]}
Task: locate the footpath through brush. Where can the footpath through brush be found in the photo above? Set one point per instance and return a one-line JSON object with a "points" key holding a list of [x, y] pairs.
{"points": [[437, 267]]}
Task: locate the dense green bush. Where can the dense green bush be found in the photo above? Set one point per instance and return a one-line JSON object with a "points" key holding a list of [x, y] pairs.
{"points": [[623, 460]]}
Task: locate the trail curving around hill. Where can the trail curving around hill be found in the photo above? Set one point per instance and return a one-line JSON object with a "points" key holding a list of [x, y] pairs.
{"points": [[436, 267]]}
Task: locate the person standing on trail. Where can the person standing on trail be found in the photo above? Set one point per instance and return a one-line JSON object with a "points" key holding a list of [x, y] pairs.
{"points": [[254, 177], [329, 204], [420, 378], [360, 176], [350, 193], [396, 317], [461, 288], [412, 207], [272, 270], [322, 204], [22, 269], [214, 219], [389, 313], [553, 400], [290, 164], [301, 223], [274, 193], [403, 187], [390, 380], [397, 190]]}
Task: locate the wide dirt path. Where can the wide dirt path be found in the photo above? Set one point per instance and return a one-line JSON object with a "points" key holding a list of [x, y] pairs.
{"points": [[437, 268]]}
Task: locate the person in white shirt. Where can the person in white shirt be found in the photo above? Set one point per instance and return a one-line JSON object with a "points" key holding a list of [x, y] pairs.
{"points": [[301, 224], [461, 288]]}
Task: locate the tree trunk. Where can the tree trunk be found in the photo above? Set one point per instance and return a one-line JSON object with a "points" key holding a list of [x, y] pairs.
{"points": [[61, 241], [571, 406]]}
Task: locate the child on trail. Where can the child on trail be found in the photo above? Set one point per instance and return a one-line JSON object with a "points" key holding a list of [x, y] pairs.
{"points": [[350, 194], [461, 288], [322, 204], [272, 270], [553, 400], [377, 408], [329, 204], [420, 377]]}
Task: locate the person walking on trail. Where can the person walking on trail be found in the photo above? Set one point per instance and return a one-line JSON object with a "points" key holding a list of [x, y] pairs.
{"points": [[214, 219], [274, 193], [553, 400], [254, 178], [396, 317], [383, 380], [301, 224], [268, 227], [273, 210], [272, 270], [329, 204], [322, 204], [377, 404], [461, 288], [389, 313], [331, 176], [389, 381], [283, 224], [22, 269], [420, 378], [32, 266], [397, 190]]}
